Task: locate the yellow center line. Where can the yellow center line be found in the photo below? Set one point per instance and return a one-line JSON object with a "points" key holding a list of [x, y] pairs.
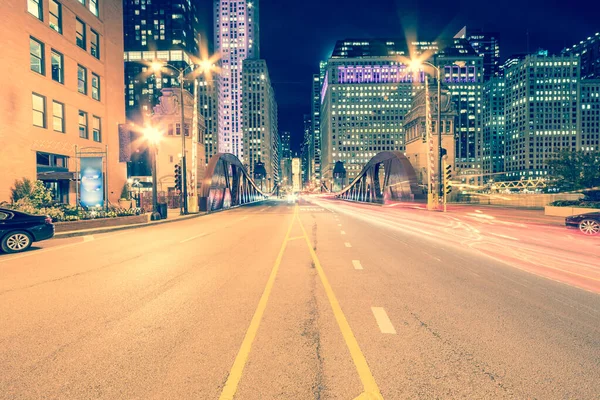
{"points": [[235, 374], [371, 390]]}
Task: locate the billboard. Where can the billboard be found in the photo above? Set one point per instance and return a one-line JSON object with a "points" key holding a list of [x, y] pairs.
{"points": [[91, 182]]}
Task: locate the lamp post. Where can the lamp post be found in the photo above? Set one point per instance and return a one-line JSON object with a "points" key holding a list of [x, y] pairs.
{"points": [[205, 66], [153, 136], [415, 65]]}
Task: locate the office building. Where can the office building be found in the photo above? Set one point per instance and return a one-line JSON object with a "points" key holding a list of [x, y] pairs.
{"points": [[363, 102], [296, 174], [462, 73], [316, 128], [62, 77], [588, 51], [157, 30], [208, 108], [487, 45], [590, 115], [286, 158], [236, 39], [306, 152], [259, 125], [493, 129], [542, 110]]}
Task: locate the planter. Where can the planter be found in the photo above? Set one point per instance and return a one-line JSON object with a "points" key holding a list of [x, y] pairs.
{"points": [[100, 223], [125, 203], [568, 211]]}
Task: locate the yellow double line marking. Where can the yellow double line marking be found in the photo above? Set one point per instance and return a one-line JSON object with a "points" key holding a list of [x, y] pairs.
{"points": [[371, 390]]}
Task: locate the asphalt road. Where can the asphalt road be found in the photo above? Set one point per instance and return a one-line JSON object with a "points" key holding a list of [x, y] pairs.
{"points": [[321, 300]]}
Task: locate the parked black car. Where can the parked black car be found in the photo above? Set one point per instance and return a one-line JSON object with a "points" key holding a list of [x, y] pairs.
{"points": [[588, 224], [19, 230]]}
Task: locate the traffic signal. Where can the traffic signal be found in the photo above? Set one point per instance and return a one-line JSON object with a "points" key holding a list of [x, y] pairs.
{"points": [[447, 176], [177, 177]]}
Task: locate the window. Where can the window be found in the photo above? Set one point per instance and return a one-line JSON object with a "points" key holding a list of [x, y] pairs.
{"points": [[95, 44], [80, 33], [36, 56], [35, 8], [58, 74], [93, 6], [55, 9], [52, 160], [95, 87], [58, 116], [39, 110], [96, 129], [83, 124], [81, 79]]}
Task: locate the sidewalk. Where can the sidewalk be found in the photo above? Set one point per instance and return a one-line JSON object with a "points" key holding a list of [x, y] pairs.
{"points": [[172, 216]]}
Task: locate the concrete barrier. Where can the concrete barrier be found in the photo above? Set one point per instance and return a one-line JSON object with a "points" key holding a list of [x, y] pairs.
{"points": [[526, 200], [568, 211], [100, 223]]}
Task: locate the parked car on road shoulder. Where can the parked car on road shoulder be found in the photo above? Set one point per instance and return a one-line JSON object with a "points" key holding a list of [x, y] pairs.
{"points": [[18, 230], [588, 224]]}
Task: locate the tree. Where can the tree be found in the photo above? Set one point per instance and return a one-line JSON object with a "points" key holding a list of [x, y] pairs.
{"points": [[574, 170], [125, 195], [22, 189]]}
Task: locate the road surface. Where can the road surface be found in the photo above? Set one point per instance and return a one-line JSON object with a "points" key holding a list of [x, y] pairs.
{"points": [[320, 300]]}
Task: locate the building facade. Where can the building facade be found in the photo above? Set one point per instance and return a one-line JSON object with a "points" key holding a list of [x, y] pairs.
{"points": [[166, 118], [487, 45], [259, 124], [236, 39], [363, 103], [542, 108], [207, 102], [590, 115], [62, 74], [286, 158], [417, 147], [493, 129], [462, 73], [588, 51]]}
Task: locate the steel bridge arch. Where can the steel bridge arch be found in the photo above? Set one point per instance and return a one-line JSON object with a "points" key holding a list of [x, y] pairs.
{"points": [[389, 175], [227, 184]]}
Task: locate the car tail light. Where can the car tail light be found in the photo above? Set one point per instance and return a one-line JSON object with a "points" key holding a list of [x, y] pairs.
{"points": [[48, 220]]}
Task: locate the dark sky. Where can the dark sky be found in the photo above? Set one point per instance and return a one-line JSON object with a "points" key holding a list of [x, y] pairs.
{"points": [[296, 34]]}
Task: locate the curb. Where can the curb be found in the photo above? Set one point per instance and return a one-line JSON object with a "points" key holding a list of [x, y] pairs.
{"points": [[69, 234]]}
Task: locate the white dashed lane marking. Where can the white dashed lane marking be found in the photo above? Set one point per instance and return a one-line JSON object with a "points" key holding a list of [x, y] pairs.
{"points": [[357, 264], [385, 325]]}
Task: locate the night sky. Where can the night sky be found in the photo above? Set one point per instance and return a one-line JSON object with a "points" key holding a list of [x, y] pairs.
{"points": [[296, 34]]}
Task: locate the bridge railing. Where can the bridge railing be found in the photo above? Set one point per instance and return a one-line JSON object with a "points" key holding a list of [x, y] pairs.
{"points": [[227, 184], [389, 175]]}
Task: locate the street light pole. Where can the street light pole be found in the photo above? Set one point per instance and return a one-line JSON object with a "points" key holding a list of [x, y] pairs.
{"points": [[183, 158], [154, 180], [441, 191]]}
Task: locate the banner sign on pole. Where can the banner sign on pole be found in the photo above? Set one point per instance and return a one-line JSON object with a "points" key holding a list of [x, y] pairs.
{"points": [[91, 182]]}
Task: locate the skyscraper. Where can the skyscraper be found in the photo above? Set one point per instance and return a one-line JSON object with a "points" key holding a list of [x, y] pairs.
{"points": [[542, 109], [589, 52], [164, 30], [462, 73], [493, 129], [364, 100], [307, 150], [236, 39], [590, 115], [260, 136], [487, 45], [207, 102], [286, 158]]}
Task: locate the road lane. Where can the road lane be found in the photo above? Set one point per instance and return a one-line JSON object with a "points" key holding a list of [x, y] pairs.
{"points": [[467, 326]]}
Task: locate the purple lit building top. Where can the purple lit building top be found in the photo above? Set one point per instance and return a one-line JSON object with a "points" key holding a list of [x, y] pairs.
{"points": [[375, 74]]}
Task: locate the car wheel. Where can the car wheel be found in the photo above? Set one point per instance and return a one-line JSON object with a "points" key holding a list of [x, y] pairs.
{"points": [[15, 242], [589, 227]]}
